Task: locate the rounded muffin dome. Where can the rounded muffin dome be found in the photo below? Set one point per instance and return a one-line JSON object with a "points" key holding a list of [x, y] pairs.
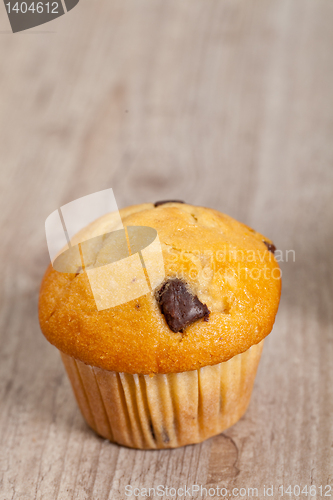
{"points": [[219, 296]]}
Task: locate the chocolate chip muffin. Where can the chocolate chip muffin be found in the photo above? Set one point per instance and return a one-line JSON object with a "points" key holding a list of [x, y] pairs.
{"points": [[174, 363]]}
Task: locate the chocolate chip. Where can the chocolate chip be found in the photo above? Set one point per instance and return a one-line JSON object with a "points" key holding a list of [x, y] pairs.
{"points": [[179, 306], [270, 246], [158, 203]]}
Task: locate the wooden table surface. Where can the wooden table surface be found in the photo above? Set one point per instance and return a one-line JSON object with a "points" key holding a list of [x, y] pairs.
{"points": [[222, 103]]}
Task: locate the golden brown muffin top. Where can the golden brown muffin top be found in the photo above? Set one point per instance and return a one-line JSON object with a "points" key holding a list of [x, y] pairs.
{"points": [[223, 264]]}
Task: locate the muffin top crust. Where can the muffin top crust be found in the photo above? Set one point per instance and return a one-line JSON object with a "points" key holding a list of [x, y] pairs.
{"points": [[220, 294]]}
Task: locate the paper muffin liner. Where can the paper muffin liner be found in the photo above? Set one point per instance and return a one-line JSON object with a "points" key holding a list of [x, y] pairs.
{"points": [[164, 411]]}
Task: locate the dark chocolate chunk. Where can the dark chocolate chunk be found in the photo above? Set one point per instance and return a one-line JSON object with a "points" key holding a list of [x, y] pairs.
{"points": [[158, 203], [179, 306], [270, 246]]}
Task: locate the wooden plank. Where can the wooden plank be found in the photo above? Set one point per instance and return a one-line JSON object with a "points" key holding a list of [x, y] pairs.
{"points": [[227, 104]]}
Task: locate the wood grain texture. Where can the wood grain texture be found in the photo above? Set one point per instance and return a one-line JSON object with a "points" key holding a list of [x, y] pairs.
{"points": [[223, 103]]}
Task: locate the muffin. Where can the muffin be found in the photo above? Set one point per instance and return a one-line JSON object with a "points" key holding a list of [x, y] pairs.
{"points": [[171, 358]]}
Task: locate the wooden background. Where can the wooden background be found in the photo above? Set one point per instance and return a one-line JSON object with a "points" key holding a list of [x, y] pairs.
{"points": [[223, 103]]}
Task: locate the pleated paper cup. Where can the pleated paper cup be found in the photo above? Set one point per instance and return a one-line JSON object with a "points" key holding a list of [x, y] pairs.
{"points": [[164, 410]]}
